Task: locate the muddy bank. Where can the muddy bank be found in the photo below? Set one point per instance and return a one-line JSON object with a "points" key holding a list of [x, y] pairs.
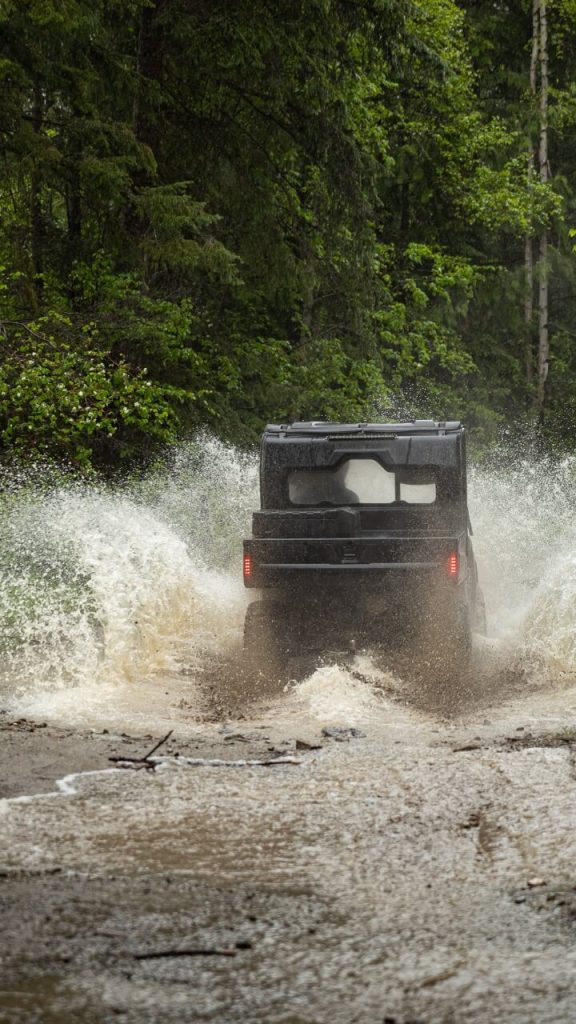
{"points": [[411, 869], [34, 755]]}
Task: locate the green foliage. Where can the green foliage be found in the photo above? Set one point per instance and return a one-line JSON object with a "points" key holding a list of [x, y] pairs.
{"points": [[498, 337], [331, 384], [220, 214], [60, 395]]}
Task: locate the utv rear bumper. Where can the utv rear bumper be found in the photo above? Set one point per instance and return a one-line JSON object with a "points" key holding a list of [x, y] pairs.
{"points": [[280, 563]]}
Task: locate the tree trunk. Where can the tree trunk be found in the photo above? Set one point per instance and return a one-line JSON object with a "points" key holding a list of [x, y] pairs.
{"points": [[150, 57], [528, 245], [535, 45], [36, 217], [529, 308], [543, 338], [73, 193]]}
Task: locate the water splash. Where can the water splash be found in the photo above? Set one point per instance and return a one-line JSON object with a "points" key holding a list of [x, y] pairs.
{"points": [[110, 586], [122, 583], [549, 628], [358, 694], [525, 542]]}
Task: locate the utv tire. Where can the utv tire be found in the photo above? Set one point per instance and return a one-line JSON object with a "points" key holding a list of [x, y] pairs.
{"points": [[448, 644], [480, 614], [458, 646], [266, 646]]}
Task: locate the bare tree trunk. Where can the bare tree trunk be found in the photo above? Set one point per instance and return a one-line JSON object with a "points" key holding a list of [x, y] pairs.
{"points": [[136, 99], [535, 44], [150, 59], [36, 217], [73, 192], [543, 337], [529, 307], [528, 245]]}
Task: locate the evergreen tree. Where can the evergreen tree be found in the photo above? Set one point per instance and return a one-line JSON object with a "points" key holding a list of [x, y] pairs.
{"points": [[223, 213]]}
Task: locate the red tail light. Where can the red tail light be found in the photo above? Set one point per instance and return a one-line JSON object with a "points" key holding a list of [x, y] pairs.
{"points": [[453, 564], [247, 566]]}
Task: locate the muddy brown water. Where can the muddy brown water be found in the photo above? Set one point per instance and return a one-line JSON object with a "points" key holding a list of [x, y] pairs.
{"points": [[418, 866], [411, 857]]}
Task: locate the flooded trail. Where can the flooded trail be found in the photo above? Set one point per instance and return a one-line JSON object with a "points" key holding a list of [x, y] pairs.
{"points": [[413, 868], [403, 852]]}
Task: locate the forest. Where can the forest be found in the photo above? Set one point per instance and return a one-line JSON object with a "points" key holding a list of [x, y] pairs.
{"points": [[217, 213]]}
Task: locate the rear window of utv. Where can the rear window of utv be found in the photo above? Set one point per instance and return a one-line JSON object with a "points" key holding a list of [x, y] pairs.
{"points": [[421, 477], [361, 482]]}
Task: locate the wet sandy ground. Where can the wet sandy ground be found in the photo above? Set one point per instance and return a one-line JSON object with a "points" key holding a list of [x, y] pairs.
{"points": [[418, 866]]}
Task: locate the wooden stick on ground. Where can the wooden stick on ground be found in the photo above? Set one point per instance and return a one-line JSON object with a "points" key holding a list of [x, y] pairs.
{"points": [[146, 759], [206, 951], [201, 762]]}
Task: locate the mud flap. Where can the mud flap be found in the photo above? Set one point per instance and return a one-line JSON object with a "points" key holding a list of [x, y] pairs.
{"points": [[267, 645], [479, 621], [446, 641]]}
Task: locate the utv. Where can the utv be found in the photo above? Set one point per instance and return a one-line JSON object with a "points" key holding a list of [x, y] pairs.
{"points": [[362, 540]]}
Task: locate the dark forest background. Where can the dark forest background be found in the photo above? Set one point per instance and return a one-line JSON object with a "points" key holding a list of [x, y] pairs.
{"points": [[222, 212]]}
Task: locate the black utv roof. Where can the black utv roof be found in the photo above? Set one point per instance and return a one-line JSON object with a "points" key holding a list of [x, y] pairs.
{"points": [[339, 431]]}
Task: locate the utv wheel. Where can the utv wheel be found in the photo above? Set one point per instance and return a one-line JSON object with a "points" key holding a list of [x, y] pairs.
{"points": [[266, 646], [480, 614], [448, 643], [458, 646]]}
